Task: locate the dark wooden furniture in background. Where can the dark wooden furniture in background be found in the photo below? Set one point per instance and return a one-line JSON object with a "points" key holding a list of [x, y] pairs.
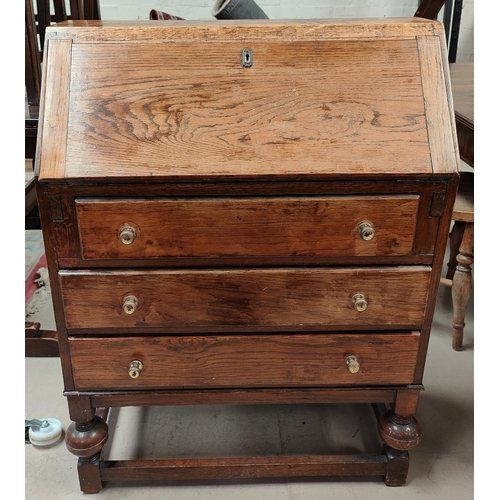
{"points": [[459, 272], [452, 16], [462, 81], [38, 341], [429, 9], [221, 236], [37, 18]]}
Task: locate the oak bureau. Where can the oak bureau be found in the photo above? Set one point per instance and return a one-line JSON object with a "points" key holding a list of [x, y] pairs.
{"points": [[243, 212]]}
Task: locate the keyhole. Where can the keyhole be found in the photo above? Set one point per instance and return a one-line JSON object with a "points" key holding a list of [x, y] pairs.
{"points": [[246, 58]]}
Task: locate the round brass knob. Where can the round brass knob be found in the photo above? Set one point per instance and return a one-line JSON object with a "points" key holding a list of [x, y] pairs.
{"points": [[135, 368], [130, 304], [127, 235], [366, 231], [360, 302], [352, 363]]}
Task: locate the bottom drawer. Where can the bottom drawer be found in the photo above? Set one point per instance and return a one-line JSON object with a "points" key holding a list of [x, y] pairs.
{"points": [[243, 361]]}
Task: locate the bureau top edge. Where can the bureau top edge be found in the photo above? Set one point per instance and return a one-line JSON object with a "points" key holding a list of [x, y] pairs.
{"points": [[267, 180], [307, 29]]}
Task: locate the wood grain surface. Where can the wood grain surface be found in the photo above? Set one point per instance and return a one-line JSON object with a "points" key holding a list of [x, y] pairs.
{"points": [[245, 361], [438, 107], [244, 29], [245, 299], [187, 469], [244, 187], [239, 396], [247, 227], [50, 160], [190, 110]]}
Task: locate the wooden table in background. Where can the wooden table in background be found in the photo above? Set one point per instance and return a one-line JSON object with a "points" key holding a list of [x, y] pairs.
{"points": [[462, 83]]}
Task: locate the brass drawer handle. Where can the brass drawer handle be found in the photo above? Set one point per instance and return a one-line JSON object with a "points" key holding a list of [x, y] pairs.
{"points": [[127, 235], [135, 368], [360, 302], [352, 364], [366, 231], [130, 304]]}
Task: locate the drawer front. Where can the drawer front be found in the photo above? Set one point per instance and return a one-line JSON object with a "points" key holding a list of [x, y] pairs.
{"points": [[247, 227], [292, 299], [242, 361]]}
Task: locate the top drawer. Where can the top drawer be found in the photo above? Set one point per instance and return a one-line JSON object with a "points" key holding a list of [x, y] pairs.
{"points": [[323, 226]]}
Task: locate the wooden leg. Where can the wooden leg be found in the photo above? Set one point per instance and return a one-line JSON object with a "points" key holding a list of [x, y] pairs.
{"points": [[398, 463], [400, 431], [85, 438], [461, 287], [89, 473], [456, 237]]}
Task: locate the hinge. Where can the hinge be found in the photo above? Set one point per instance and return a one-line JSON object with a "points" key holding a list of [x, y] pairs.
{"points": [[437, 204]]}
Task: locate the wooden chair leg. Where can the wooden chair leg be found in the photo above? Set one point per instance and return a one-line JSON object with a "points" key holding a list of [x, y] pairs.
{"points": [[462, 284], [456, 236]]}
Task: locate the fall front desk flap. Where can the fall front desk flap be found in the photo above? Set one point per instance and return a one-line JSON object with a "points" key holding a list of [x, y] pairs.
{"points": [[260, 99]]}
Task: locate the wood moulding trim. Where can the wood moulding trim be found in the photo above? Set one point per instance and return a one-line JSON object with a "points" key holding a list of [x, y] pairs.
{"points": [[244, 467], [55, 111], [243, 396], [443, 148], [261, 29]]}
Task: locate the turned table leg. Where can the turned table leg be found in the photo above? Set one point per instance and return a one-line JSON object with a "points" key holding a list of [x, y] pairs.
{"points": [[456, 236], [85, 438], [461, 287], [400, 432]]}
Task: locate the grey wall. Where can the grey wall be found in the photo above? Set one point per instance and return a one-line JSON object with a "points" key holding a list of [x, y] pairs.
{"points": [[293, 9]]}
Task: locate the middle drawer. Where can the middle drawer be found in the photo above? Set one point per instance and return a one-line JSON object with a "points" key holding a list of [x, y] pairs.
{"points": [[230, 300]]}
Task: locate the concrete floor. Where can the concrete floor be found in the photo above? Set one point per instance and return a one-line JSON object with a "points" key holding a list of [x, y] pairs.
{"points": [[441, 467]]}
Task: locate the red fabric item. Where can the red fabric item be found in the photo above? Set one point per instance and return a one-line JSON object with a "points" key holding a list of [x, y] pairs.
{"points": [[156, 15], [30, 285]]}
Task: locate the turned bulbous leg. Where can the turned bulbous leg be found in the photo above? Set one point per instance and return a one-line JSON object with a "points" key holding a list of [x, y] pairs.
{"points": [[86, 440], [400, 433]]}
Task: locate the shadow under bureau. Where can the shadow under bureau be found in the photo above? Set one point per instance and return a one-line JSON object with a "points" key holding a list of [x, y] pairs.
{"points": [[245, 212]]}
